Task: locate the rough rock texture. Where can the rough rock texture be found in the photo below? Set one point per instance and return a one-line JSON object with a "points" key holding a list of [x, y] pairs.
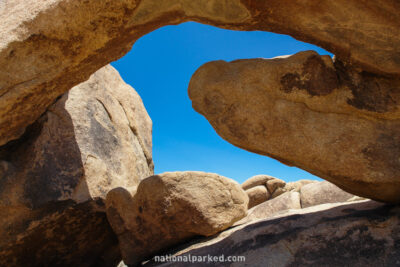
{"points": [[170, 208], [297, 195], [48, 46], [53, 181], [282, 203], [358, 234], [257, 195], [261, 188], [308, 111], [321, 193], [296, 186], [257, 180], [276, 187]]}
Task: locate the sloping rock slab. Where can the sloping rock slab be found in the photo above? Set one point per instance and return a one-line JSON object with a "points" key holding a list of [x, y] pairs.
{"points": [[365, 233], [320, 193], [282, 203]]}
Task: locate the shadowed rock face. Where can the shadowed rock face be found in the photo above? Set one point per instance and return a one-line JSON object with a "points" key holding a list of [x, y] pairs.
{"points": [[359, 234], [306, 111], [53, 181], [48, 46]]}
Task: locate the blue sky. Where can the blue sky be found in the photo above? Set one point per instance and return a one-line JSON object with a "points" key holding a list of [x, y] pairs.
{"points": [[160, 66]]}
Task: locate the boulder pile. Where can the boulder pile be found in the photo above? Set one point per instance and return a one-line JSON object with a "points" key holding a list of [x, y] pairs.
{"points": [[77, 186], [170, 208], [292, 196]]}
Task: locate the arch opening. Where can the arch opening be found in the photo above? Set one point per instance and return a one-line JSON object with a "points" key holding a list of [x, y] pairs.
{"points": [[160, 66]]}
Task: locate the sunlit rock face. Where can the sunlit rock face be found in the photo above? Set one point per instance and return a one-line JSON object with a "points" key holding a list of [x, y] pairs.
{"points": [[54, 180], [60, 156], [309, 111], [49, 46], [305, 194], [263, 188], [171, 208]]}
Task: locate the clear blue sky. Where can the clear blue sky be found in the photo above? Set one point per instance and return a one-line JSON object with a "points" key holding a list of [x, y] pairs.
{"points": [[160, 66]]}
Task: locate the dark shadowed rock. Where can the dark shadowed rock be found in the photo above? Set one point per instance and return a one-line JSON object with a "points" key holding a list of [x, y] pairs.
{"points": [[53, 181], [358, 234]]}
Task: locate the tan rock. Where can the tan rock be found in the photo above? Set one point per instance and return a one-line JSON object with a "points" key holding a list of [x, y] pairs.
{"points": [[344, 234], [307, 111], [257, 195], [295, 197], [279, 191], [171, 208], [297, 185], [276, 187], [256, 180], [54, 180], [321, 193], [48, 46], [280, 204], [356, 198]]}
